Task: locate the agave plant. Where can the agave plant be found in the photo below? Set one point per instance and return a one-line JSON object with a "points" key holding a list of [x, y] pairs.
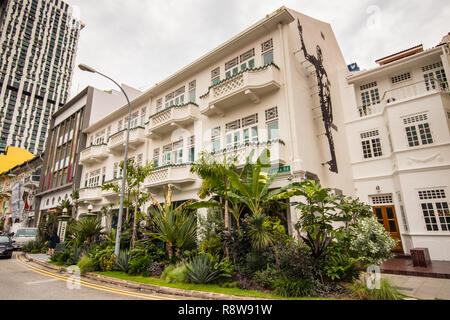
{"points": [[123, 260], [201, 270]]}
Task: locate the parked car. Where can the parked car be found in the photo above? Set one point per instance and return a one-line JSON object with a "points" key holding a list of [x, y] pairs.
{"points": [[6, 247], [23, 236]]}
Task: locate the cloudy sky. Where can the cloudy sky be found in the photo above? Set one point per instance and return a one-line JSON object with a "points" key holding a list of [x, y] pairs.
{"points": [[141, 42]]}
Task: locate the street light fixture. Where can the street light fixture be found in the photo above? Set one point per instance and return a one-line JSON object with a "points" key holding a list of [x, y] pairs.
{"points": [[86, 68]]}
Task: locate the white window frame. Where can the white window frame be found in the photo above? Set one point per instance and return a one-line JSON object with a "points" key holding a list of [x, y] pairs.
{"points": [[434, 206], [371, 144]]}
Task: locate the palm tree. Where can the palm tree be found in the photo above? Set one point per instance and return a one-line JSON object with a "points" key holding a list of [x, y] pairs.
{"points": [[64, 204], [215, 181], [175, 226]]}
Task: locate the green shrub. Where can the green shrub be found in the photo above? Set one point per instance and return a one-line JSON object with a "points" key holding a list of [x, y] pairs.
{"points": [[175, 274], [386, 292], [294, 287], [139, 266], [75, 255], [123, 261], [266, 278], [32, 247], [212, 244], [341, 267], [105, 259], [232, 285], [371, 241], [86, 264]]}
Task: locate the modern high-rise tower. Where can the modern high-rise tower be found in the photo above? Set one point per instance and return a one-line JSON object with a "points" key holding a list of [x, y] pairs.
{"points": [[38, 44]]}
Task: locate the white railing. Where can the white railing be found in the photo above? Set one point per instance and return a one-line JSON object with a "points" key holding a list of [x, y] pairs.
{"points": [[91, 193], [171, 174], [404, 93]]}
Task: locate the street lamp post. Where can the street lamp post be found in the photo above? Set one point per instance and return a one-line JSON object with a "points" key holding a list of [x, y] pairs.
{"points": [[125, 161]]}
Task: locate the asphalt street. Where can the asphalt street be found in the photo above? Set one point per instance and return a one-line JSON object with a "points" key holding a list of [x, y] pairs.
{"points": [[22, 280]]}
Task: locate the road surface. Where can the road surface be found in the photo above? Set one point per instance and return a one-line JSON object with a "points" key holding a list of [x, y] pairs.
{"points": [[23, 280]]}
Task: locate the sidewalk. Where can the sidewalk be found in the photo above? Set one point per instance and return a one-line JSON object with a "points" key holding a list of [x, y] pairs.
{"points": [[421, 287], [40, 256]]}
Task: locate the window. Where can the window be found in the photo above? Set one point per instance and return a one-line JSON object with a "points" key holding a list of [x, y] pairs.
{"points": [[370, 97], [215, 76], [435, 209], [159, 105], [434, 72], [383, 199], [191, 149], [401, 77], [268, 58], [266, 46], [94, 179], [215, 139], [99, 138], [232, 63], [418, 130], [192, 90], [156, 157], [273, 131], [371, 144], [167, 152], [143, 114]]}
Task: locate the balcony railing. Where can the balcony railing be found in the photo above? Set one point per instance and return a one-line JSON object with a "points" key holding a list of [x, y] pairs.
{"points": [[93, 154], [111, 193], [174, 174], [248, 85], [405, 93], [174, 117], [117, 141], [240, 153], [91, 194]]}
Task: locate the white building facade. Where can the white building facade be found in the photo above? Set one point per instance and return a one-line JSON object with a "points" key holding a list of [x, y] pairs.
{"points": [[274, 86], [397, 124]]}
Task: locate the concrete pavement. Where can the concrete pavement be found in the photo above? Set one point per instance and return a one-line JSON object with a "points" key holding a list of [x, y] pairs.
{"points": [[421, 287]]}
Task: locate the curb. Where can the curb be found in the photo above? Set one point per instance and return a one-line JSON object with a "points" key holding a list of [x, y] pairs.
{"points": [[144, 286]]}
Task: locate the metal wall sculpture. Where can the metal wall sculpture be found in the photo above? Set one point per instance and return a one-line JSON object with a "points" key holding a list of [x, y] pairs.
{"points": [[324, 96]]}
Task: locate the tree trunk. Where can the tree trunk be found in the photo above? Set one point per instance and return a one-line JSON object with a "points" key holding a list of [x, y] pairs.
{"points": [[169, 250], [227, 217]]}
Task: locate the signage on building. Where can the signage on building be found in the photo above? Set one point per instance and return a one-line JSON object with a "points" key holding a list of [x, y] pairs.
{"points": [[280, 170]]}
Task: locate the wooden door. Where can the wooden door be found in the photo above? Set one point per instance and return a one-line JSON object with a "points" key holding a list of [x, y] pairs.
{"points": [[387, 217]]}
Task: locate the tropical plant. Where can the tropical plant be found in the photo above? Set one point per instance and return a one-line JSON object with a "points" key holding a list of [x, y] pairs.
{"points": [[202, 270], [64, 204], [175, 274], [252, 186], [175, 226], [287, 287], [86, 264], [341, 267], [135, 196], [386, 291], [123, 260], [85, 232], [371, 241], [215, 179], [259, 233], [318, 212]]}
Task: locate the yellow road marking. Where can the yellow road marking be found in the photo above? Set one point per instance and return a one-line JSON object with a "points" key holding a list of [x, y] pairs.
{"points": [[89, 284]]}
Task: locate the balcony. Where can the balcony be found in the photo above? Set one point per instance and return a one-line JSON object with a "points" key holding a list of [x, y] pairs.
{"points": [[110, 194], [117, 141], [248, 85], [172, 118], [94, 154], [91, 194], [31, 181], [277, 148], [174, 175], [405, 93]]}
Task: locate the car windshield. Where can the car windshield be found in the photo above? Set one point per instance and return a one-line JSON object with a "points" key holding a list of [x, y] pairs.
{"points": [[4, 240], [26, 233]]}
